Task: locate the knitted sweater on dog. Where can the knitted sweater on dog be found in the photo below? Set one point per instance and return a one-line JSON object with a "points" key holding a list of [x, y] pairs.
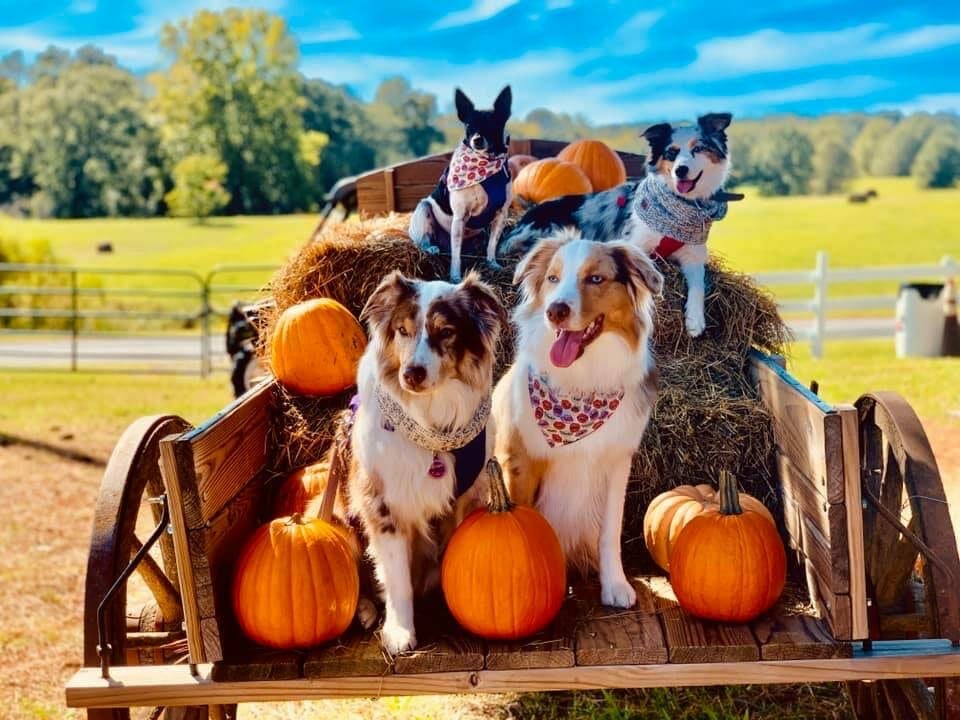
{"points": [[687, 222]]}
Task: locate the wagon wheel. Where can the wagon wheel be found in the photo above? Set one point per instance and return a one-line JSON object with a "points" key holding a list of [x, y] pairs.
{"points": [[910, 554], [152, 632]]}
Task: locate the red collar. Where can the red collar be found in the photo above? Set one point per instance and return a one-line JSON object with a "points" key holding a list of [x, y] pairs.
{"points": [[667, 247]]}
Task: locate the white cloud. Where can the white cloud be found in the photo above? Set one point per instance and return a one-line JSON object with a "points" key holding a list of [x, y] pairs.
{"points": [[631, 37], [477, 11], [931, 103], [773, 50], [82, 7], [331, 32]]}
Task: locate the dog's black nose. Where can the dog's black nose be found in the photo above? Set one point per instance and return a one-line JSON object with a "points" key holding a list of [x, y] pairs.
{"points": [[558, 312], [682, 171], [414, 375]]}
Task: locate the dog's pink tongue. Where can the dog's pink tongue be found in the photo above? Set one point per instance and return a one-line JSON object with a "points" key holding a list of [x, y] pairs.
{"points": [[685, 186], [566, 348]]}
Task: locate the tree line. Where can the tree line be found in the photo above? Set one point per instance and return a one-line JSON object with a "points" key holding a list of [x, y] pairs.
{"points": [[230, 125]]}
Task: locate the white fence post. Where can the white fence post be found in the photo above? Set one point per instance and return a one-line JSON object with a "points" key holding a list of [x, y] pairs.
{"points": [[819, 305]]}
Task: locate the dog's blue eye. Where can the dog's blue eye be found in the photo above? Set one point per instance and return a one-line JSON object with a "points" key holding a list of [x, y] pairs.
{"points": [[671, 153], [402, 331], [553, 279], [698, 149], [596, 279]]}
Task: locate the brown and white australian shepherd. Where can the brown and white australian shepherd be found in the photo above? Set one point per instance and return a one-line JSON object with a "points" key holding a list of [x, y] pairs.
{"points": [[421, 434], [572, 409]]}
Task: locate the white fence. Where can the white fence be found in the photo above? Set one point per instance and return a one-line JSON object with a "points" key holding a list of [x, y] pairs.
{"points": [[821, 277]]}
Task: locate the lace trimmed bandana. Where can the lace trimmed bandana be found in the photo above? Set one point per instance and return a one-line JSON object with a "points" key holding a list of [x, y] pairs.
{"points": [[564, 419], [676, 218], [468, 443], [471, 167]]}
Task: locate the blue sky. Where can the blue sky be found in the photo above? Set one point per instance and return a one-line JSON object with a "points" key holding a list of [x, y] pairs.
{"points": [[611, 61]]}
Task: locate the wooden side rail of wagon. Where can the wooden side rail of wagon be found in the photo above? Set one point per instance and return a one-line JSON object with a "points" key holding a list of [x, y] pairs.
{"points": [[865, 515]]}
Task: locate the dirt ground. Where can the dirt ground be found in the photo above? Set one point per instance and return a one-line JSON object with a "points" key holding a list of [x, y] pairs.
{"points": [[46, 505]]}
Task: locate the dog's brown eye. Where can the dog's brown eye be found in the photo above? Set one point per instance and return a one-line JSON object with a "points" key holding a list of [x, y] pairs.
{"points": [[446, 333], [553, 279], [402, 331], [596, 279], [671, 153]]}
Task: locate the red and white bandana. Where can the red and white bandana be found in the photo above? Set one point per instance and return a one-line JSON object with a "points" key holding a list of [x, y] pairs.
{"points": [[564, 419], [471, 167]]}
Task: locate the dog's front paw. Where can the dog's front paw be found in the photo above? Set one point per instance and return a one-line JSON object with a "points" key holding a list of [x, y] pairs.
{"points": [[429, 248], [455, 276], [618, 593], [397, 639], [493, 264], [367, 614], [696, 324]]}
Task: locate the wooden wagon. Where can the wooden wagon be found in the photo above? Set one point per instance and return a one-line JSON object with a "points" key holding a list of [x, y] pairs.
{"points": [[864, 511]]}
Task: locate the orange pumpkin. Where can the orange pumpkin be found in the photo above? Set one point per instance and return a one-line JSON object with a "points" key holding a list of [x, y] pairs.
{"points": [[669, 512], [299, 488], [296, 583], [550, 178], [503, 573], [316, 346], [728, 564], [602, 165]]}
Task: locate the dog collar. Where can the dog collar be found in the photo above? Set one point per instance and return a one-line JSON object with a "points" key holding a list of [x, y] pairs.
{"points": [[470, 167], [565, 419]]}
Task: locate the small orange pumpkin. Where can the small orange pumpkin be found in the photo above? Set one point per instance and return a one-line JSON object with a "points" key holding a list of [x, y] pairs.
{"points": [[602, 165], [669, 512], [550, 178], [299, 488], [503, 573], [728, 564], [316, 346], [296, 583]]}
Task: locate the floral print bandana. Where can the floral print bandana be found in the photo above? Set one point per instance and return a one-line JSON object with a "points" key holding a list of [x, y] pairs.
{"points": [[564, 419], [471, 167]]}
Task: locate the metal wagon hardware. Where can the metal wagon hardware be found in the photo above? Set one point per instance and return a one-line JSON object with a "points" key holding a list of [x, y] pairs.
{"points": [[864, 511]]}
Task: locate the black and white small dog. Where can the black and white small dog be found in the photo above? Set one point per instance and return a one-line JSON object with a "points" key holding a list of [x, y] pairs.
{"points": [[668, 213], [475, 191]]}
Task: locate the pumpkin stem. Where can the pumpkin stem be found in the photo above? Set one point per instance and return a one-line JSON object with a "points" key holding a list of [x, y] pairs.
{"points": [[499, 497], [729, 494], [295, 519]]}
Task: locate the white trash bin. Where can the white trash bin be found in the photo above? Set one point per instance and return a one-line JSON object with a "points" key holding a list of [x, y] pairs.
{"points": [[919, 328]]}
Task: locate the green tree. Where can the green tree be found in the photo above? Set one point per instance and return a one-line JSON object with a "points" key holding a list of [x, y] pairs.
{"points": [[833, 164], [896, 152], [782, 161], [866, 144], [404, 118], [198, 190], [937, 165], [340, 116], [78, 139], [232, 91]]}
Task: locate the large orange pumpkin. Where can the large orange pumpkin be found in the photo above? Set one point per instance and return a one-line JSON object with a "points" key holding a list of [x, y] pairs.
{"points": [[296, 583], [503, 573], [299, 488], [669, 512], [602, 165], [728, 564], [550, 178], [316, 346]]}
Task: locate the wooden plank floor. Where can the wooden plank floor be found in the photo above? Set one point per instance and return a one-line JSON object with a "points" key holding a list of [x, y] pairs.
{"points": [[655, 631]]}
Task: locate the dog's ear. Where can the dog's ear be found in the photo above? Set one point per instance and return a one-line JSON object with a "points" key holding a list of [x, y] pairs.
{"points": [[658, 136], [501, 106], [464, 105], [392, 290], [637, 269], [532, 268], [714, 123], [486, 308]]}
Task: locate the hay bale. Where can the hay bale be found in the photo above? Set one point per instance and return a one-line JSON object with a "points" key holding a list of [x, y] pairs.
{"points": [[707, 417]]}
